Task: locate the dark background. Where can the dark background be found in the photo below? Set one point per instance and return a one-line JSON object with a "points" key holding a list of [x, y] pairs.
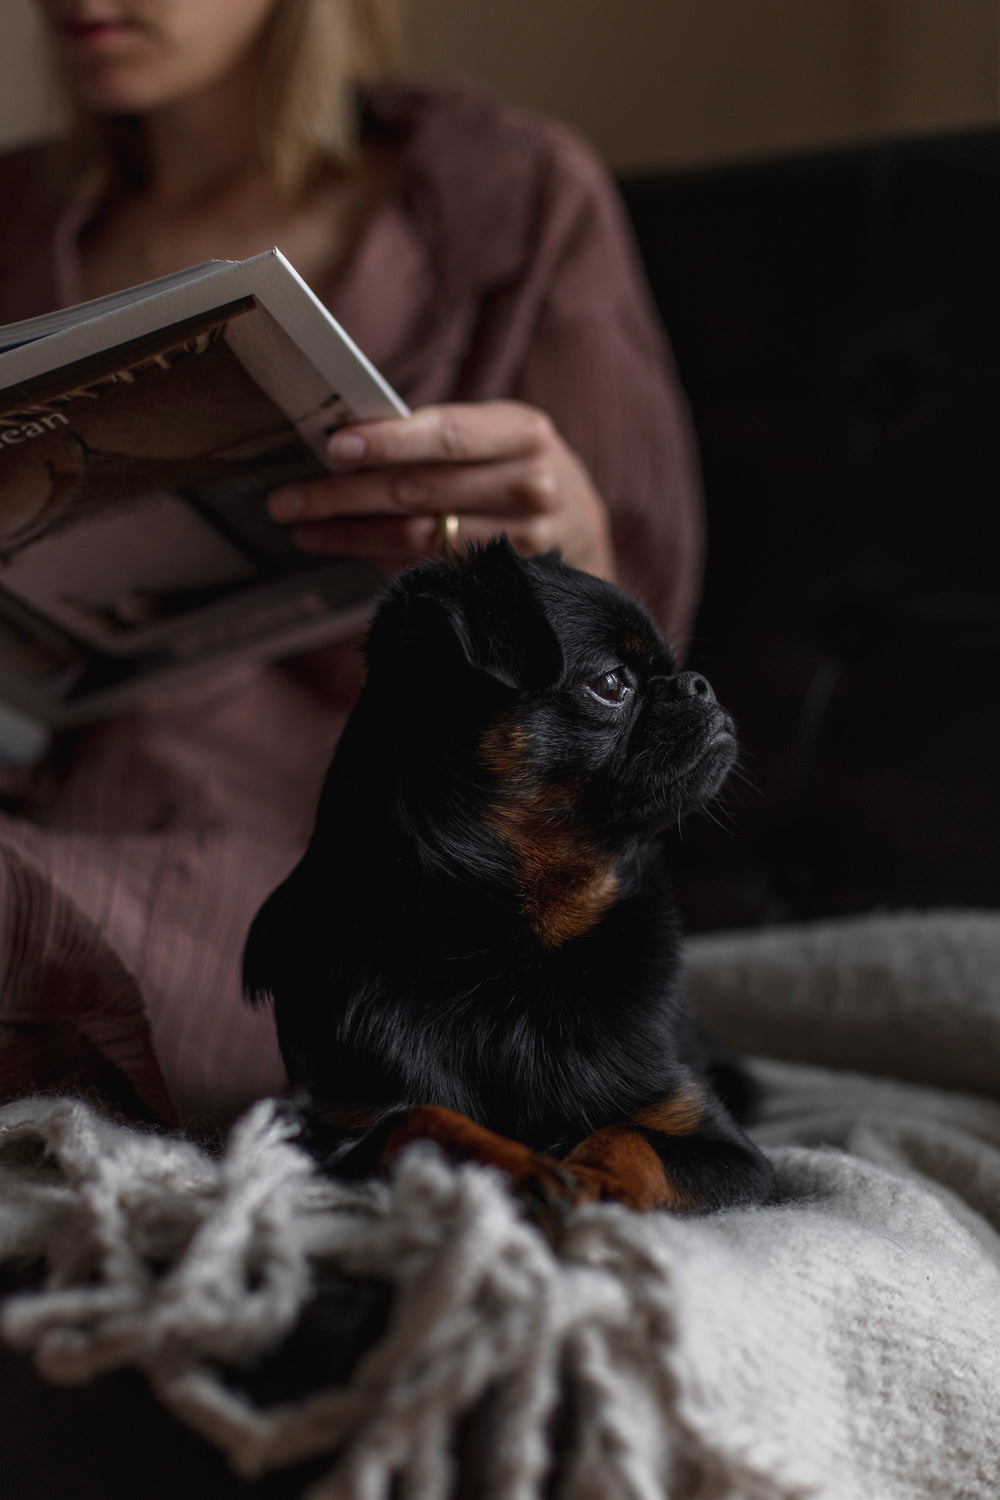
{"points": [[836, 321]]}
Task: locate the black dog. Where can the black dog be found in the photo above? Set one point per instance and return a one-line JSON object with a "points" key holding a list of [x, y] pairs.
{"points": [[479, 946]]}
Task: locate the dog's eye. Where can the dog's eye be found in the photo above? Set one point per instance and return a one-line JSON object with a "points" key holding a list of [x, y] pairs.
{"points": [[609, 687]]}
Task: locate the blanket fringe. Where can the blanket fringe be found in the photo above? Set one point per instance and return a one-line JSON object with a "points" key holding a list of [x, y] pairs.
{"points": [[165, 1259]]}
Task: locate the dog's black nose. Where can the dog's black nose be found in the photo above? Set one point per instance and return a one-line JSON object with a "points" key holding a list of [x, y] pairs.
{"points": [[691, 685]]}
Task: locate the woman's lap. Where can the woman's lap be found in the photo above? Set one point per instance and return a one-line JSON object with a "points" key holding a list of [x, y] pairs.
{"points": [[125, 897]]}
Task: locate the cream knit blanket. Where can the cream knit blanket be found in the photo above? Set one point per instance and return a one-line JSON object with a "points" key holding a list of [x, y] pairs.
{"points": [[844, 1344]]}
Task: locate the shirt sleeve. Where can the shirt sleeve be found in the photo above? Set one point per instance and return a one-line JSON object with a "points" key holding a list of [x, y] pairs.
{"points": [[598, 362]]}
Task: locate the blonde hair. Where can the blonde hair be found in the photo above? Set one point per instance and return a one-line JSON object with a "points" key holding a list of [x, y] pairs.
{"points": [[315, 52]]}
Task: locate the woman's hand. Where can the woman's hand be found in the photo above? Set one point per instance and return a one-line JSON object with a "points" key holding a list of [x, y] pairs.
{"points": [[494, 465]]}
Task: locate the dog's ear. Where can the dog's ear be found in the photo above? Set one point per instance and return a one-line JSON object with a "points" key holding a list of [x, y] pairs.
{"points": [[499, 623], [481, 612]]}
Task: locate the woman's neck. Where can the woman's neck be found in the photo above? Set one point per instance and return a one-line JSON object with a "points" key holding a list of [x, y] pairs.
{"points": [[195, 146], [205, 194]]}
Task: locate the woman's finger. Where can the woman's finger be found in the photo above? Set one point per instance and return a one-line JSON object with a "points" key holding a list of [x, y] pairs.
{"points": [[457, 433], [499, 466], [516, 485]]}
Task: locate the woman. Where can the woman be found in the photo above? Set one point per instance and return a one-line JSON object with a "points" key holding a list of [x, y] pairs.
{"points": [[479, 259]]}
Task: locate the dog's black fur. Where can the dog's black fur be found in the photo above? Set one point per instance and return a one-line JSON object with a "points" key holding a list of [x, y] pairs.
{"points": [[481, 921]]}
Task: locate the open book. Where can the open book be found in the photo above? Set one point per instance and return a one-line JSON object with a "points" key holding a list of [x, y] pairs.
{"points": [[139, 436]]}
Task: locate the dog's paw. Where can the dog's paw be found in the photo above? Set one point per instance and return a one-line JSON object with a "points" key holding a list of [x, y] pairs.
{"points": [[546, 1188], [549, 1189]]}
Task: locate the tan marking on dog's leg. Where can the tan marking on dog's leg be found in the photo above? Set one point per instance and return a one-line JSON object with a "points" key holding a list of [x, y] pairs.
{"points": [[348, 1116], [628, 1171], [459, 1137], [680, 1113]]}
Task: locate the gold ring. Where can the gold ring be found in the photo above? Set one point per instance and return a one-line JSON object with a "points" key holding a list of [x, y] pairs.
{"points": [[447, 533]]}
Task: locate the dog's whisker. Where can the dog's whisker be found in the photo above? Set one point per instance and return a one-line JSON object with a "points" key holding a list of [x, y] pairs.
{"points": [[738, 774], [707, 813]]}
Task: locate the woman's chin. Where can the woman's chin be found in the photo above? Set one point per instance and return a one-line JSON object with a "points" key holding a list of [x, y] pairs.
{"points": [[108, 88], [117, 69]]}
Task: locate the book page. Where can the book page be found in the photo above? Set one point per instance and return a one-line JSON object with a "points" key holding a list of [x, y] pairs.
{"points": [[132, 487]]}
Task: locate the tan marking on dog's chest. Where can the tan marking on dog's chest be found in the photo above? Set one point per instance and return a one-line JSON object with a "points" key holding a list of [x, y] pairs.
{"points": [[566, 885]]}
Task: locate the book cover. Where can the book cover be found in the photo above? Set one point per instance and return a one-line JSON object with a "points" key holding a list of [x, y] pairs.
{"points": [[139, 437]]}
